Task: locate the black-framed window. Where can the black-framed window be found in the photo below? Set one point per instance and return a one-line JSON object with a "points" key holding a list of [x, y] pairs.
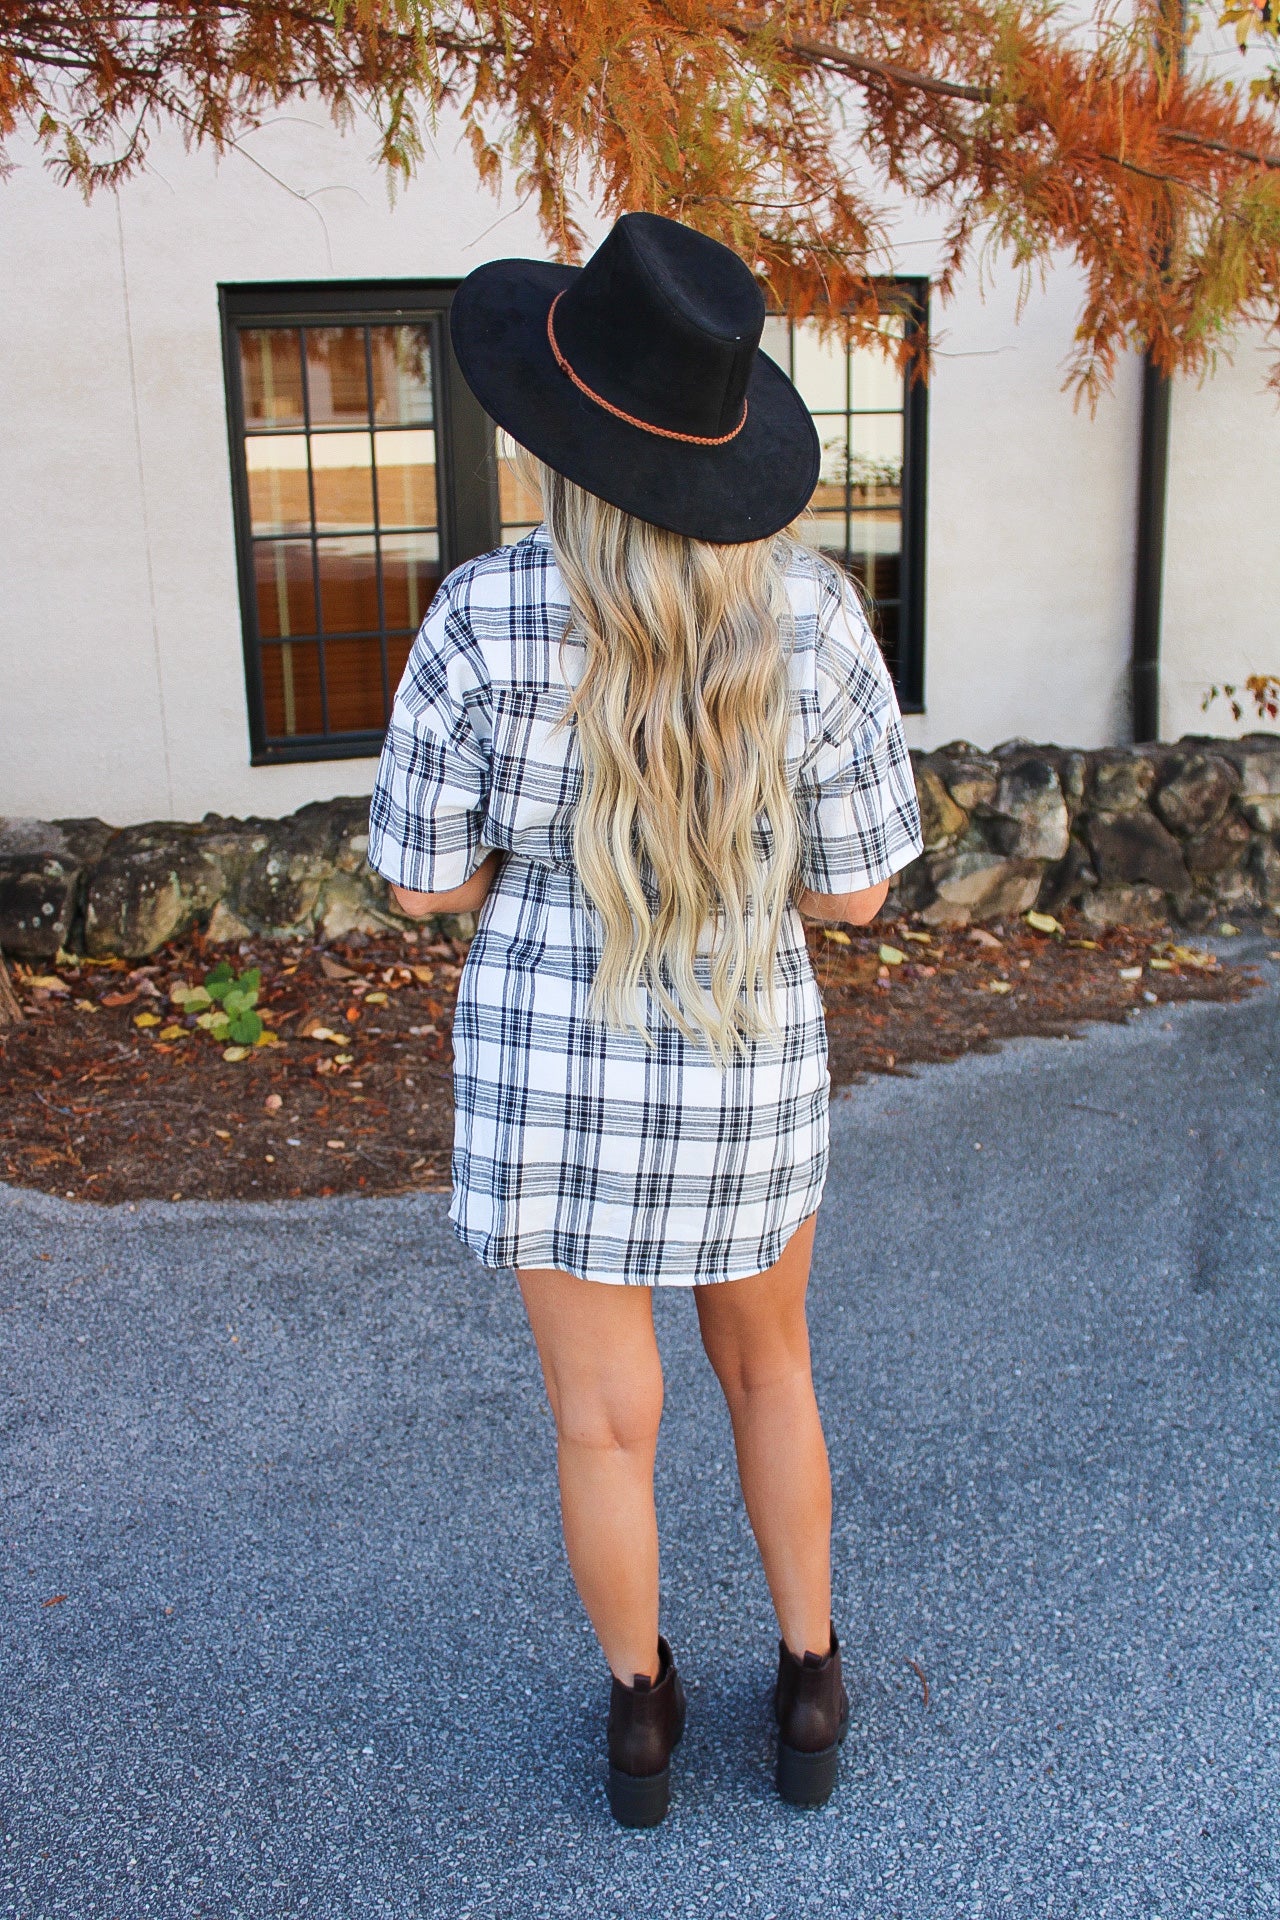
{"points": [[363, 471], [868, 510]]}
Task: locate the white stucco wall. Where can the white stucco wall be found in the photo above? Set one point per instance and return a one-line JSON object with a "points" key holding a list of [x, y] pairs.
{"points": [[121, 672], [1222, 555]]}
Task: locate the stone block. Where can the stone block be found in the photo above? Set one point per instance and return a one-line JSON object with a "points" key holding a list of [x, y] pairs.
{"points": [[37, 904], [1262, 810], [1266, 872], [1256, 758], [971, 776], [152, 883], [346, 906], [1134, 849], [1120, 906], [1030, 812], [941, 820], [1198, 793], [1122, 780], [985, 885], [1219, 850]]}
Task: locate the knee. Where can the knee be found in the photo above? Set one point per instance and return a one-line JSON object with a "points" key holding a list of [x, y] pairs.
{"points": [[608, 1415], [761, 1360]]}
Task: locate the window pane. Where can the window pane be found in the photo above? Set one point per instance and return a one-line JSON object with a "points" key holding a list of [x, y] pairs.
{"points": [[826, 531], [399, 647], [285, 588], [348, 585], [353, 675], [875, 457], [337, 386], [279, 500], [875, 379], [401, 376], [874, 549], [821, 369], [291, 688], [406, 479], [519, 507], [271, 377], [410, 576], [342, 464], [833, 434]]}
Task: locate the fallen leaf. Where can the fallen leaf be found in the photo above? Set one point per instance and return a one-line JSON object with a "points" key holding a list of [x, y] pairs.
{"points": [[1044, 923], [314, 1030], [344, 1059], [925, 938], [1161, 966], [334, 969], [235, 1054], [1131, 973], [268, 1039], [982, 938], [87, 1006], [999, 986], [146, 1019], [166, 1033], [892, 956], [121, 999], [837, 934], [423, 975], [1228, 931], [47, 982], [222, 1133], [375, 1000], [54, 1600]]}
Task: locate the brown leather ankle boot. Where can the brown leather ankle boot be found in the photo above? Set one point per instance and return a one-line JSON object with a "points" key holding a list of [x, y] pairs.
{"points": [[812, 1709], [645, 1723]]}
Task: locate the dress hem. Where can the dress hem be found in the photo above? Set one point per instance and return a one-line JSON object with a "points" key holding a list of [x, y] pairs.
{"points": [[782, 1239]]}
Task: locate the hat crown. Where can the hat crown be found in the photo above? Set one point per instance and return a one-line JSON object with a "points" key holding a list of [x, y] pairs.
{"points": [[663, 323]]}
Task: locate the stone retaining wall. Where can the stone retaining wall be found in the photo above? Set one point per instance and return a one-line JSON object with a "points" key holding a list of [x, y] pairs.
{"points": [[1130, 835]]}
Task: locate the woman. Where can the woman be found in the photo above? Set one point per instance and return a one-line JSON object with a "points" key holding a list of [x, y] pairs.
{"points": [[670, 726]]}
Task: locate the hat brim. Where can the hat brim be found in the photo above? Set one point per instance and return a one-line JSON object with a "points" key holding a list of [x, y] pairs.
{"points": [[747, 489]]}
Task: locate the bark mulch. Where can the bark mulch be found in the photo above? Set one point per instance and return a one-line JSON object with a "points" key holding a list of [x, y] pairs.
{"points": [[113, 1092]]}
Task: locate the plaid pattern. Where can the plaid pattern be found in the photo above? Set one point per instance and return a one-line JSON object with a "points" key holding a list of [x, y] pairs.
{"points": [[575, 1145]]}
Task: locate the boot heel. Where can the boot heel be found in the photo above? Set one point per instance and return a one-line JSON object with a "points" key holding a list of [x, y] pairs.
{"points": [[640, 1800], [806, 1779]]}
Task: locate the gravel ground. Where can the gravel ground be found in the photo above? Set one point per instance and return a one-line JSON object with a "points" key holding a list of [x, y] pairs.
{"points": [[287, 1473]]}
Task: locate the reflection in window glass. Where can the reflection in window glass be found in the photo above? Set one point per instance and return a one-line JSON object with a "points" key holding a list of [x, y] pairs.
{"points": [[857, 399], [519, 507], [343, 520], [401, 367], [337, 376], [271, 377], [406, 462]]}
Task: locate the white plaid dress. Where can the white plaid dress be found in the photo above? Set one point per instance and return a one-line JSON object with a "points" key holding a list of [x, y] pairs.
{"points": [[575, 1145]]}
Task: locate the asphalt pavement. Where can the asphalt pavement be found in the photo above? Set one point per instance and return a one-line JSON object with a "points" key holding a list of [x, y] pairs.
{"points": [[285, 1627]]}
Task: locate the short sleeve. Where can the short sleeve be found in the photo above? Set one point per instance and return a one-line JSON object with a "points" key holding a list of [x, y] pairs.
{"points": [[426, 818], [856, 794]]}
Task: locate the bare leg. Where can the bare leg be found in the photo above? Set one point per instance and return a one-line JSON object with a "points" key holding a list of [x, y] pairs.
{"points": [[757, 1339], [604, 1382]]}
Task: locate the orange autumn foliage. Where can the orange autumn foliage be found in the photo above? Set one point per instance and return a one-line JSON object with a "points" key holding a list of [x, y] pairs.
{"points": [[791, 130]]}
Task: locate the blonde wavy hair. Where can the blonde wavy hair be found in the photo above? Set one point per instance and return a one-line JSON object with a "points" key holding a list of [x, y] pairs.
{"points": [[686, 824]]}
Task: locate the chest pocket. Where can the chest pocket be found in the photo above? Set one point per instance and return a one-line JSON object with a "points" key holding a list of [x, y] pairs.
{"points": [[535, 774]]}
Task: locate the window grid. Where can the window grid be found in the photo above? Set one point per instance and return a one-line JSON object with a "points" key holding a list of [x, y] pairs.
{"points": [[867, 528], [366, 641]]}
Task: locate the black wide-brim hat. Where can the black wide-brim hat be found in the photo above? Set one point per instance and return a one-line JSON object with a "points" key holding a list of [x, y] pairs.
{"points": [[640, 378]]}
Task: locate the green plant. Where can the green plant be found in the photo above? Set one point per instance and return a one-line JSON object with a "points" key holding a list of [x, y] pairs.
{"points": [[225, 1006]]}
